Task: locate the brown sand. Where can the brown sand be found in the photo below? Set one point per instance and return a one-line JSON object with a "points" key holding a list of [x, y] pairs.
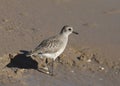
{"points": [[90, 59]]}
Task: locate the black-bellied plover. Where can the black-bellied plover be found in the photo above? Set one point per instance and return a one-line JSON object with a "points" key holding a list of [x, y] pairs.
{"points": [[53, 46]]}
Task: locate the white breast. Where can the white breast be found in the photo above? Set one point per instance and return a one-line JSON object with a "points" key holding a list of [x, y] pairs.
{"points": [[54, 55]]}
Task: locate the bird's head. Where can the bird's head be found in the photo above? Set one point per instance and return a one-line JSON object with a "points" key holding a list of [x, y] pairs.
{"points": [[68, 30]]}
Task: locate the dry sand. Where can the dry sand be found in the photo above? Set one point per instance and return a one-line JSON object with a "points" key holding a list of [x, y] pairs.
{"points": [[90, 59]]}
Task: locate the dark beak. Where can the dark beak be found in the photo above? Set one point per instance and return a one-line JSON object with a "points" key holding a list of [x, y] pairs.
{"points": [[75, 32]]}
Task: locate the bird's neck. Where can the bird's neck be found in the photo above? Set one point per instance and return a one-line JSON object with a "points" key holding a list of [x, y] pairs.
{"points": [[64, 35]]}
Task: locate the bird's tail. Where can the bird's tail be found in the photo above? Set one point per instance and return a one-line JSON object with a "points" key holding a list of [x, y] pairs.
{"points": [[29, 54]]}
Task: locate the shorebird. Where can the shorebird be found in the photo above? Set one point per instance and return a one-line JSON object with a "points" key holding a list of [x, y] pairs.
{"points": [[53, 46]]}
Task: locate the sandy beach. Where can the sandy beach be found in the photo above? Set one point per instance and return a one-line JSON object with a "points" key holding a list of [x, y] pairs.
{"points": [[91, 59]]}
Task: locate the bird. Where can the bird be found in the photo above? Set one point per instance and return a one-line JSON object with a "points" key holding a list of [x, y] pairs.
{"points": [[53, 46]]}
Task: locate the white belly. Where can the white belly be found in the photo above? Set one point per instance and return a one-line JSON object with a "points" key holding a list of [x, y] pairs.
{"points": [[53, 55]]}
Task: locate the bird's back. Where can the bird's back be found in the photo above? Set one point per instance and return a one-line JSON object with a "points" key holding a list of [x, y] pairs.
{"points": [[50, 45]]}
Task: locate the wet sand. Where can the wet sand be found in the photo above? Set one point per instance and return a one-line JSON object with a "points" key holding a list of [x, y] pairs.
{"points": [[90, 59]]}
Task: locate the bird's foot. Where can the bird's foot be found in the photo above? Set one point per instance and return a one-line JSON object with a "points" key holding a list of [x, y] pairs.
{"points": [[46, 71]]}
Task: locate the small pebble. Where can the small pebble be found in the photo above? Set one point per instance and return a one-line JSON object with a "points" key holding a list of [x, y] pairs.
{"points": [[100, 79], [72, 71], [5, 20], [101, 68], [48, 72], [22, 70], [89, 60]]}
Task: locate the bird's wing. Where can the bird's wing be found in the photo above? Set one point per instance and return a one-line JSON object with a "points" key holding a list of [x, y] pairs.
{"points": [[50, 45]]}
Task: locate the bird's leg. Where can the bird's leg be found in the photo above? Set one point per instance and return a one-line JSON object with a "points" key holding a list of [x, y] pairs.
{"points": [[46, 64], [49, 68], [44, 67], [46, 61], [43, 61], [52, 67]]}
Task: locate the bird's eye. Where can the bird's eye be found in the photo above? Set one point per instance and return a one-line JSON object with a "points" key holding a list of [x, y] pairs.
{"points": [[69, 29]]}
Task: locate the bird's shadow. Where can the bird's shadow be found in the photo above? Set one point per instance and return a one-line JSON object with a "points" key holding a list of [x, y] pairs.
{"points": [[21, 61]]}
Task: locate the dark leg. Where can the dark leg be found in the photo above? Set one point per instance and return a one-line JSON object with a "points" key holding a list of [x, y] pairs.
{"points": [[49, 68], [44, 67], [52, 67]]}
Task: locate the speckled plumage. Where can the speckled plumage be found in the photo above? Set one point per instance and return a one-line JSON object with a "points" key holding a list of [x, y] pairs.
{"points": [[53, 46]]}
